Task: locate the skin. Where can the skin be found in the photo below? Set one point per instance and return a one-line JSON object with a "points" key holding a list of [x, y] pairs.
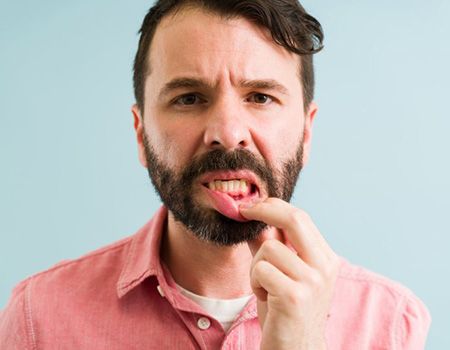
{"points": [[290, 267]]}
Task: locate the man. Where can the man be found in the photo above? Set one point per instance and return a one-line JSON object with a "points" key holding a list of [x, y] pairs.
{"points": [[223, 118]]}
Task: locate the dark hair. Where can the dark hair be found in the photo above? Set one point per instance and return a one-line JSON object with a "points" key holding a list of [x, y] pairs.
{"points": [[288, 22]]}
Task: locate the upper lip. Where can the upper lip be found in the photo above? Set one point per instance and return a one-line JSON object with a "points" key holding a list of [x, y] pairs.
{"points": [[225, 175]]}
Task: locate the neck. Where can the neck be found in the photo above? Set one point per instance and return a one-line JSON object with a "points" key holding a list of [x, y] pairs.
{"points": [[213, 271]]}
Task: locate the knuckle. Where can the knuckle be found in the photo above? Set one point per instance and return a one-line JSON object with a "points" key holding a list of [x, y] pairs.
{"points": [[294, 297], [259, 268], [316, 279], [294, 216], [332, 268], [269, 246], [298, 216]]}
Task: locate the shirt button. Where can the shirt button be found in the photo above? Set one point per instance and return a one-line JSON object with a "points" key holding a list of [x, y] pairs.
{"points": [[203, 323]]}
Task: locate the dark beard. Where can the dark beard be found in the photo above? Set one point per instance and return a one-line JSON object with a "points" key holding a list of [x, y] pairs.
{"points": [[176, 191]]}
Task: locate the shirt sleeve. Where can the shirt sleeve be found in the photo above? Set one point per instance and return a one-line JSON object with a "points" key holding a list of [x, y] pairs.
{"points": [[13, 322], [414, 324]]}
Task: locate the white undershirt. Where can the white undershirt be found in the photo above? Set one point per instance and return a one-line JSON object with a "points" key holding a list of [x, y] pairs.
{"points": [[223, 310]]}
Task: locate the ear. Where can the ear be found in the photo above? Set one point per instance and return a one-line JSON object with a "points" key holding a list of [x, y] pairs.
{"points": [[139, 128], [307, 131]]}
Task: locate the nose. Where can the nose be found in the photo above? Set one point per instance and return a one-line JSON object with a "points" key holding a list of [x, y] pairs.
{"points": [[226, 126]]}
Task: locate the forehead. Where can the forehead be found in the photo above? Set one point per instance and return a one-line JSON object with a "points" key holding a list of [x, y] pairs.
{"points": [[193, 42]]}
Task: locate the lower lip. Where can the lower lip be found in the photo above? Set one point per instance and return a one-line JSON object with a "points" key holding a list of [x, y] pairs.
{"points": [[228, 206]]}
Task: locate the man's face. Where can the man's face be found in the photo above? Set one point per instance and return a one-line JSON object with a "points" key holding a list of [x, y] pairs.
{"points": [[223, 122]]}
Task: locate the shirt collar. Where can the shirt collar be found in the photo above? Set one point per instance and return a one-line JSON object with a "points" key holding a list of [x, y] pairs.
{"points": [[142, 259]]}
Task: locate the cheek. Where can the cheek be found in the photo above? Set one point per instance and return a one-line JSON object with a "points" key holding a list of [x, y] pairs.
{"points": [[282, 140], [175, 145], [290, 140]]}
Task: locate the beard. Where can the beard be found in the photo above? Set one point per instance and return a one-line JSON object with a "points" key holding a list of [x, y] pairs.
{"points": [[176, 190]]}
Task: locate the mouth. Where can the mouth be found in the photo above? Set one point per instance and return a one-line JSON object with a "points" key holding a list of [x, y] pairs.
{"points": [[227, 190], [237, 189]]}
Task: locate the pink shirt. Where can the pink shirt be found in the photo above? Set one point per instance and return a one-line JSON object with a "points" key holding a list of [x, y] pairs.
{"points": [[122, 297]]}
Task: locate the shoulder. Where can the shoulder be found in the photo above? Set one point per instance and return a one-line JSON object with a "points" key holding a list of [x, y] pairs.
{"points": [[369, 285], [358, 276], [383, 305], [66, 282], [90, 265], [74, 277]]}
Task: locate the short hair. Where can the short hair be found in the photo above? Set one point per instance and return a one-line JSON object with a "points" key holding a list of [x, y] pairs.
{"points": [[288, 22]]}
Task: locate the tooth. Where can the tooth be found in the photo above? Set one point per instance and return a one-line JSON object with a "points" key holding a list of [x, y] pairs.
{"points": [[236, 185], [218, 185], [243, 185], [212, 185], [224, 186], [231, 186]]}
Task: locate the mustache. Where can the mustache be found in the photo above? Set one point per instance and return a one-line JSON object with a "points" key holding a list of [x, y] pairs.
{"points": [[218, 159]]}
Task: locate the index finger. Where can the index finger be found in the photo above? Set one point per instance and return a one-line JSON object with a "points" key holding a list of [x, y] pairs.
{"points": [[296, 225]]}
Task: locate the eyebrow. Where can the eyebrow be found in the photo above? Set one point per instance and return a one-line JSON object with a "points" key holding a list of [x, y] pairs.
{"points": [[196, 83]]}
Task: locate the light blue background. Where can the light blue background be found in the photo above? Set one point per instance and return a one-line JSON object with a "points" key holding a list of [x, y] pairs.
{"points": [[377, 185]]}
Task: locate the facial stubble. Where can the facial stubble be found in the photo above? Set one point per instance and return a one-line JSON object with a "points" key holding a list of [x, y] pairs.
{"points": [[177, 191]]}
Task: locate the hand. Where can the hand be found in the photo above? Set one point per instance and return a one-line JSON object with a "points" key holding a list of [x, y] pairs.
{"points": [[293, 274]]}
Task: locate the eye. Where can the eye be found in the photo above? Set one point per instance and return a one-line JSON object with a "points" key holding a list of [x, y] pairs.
{"points": [[261, 99], [187, 100]]}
